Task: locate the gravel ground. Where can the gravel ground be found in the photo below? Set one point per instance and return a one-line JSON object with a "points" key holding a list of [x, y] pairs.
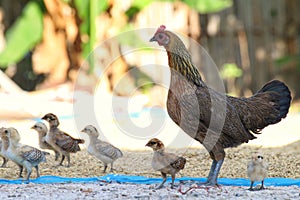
{"points": [[283, 162], [141, 192]]}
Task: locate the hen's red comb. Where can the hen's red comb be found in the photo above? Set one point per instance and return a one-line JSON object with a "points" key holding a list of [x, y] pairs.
{"points": [[161, 28]]}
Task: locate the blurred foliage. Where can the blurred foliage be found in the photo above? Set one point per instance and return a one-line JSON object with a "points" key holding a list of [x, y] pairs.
{"points": [[24, 34], [88, 11], [202, 6], [288, 60], [231, 70]]}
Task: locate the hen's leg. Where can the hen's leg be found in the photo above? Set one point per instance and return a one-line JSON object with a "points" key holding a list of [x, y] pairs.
{"points": [[213, 173]]}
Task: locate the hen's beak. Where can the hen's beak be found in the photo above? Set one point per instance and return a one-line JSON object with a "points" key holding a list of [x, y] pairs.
{"points": [[153, 39]]}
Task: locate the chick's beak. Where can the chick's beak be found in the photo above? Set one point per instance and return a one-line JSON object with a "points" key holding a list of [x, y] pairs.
{"points": [[153, 39]]}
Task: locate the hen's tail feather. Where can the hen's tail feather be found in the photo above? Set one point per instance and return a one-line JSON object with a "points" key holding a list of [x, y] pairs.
{"points": [[281, 94]]}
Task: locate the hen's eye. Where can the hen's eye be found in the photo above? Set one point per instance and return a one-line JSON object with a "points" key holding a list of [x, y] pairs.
{"points": [[160, 36]]}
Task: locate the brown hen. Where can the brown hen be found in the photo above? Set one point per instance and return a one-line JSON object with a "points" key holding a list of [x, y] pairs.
{"points": [[59, 140], [214, 119]]}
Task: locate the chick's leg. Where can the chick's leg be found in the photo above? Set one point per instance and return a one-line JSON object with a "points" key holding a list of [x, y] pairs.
{"points": [[37, 171], [5, 160], [21, 171], [111, 167], [164, 176], [173, 178], [262, 185], [105, 167], [29, 170], [251, 186], [56, 155], [62, 159], [69, 160]]}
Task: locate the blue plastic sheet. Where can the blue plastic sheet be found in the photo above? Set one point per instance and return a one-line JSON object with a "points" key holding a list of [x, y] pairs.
{"points": [[146, 180]]}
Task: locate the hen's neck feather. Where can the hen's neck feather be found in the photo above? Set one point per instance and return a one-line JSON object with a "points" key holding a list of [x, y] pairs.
{"points": [[180, 60]]}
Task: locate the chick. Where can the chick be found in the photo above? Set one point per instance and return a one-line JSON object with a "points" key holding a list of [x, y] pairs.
{"points": [[59, 140], [104, 151], [166, 163], [42, 130], [23, 155], [3, 146], [257, 170]]}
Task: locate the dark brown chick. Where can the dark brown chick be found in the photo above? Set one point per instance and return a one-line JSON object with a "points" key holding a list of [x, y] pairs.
{"points": [[42, 130], [23, 155], [3, 146], [59, 140], [166, 163], [216, 120]]}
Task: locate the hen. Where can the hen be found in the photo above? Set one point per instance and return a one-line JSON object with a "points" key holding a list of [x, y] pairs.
{"points": [[216, 120], [23, 155], [102, 150], [59, 140], [42, 130], [166, 163], [257, 170]]}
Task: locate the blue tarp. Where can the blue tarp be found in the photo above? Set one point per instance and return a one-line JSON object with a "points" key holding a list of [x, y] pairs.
{"points": [[145, 180]]}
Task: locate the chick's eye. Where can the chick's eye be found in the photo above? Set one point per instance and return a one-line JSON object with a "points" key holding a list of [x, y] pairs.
{"points": [[152, 143], [260, 157]]}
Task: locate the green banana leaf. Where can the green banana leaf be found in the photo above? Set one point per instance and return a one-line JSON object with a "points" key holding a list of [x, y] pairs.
{"points": [[23, 35]]}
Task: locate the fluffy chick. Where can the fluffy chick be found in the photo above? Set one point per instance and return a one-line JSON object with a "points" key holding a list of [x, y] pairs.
{"points": [[166, 163], [42, 130], [257, 170], [3, 146], [23, 155], [59, 140], [102, 150]]}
